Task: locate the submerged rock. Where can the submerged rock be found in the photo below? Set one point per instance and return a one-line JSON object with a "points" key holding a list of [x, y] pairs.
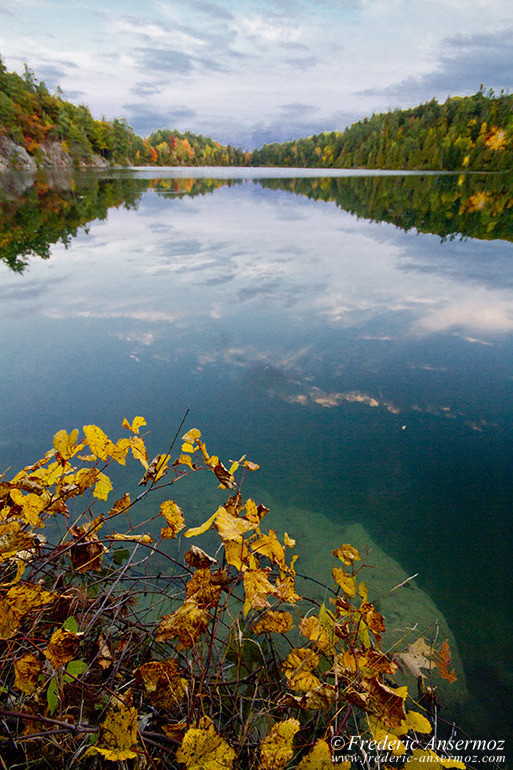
{"points": [[408, 611]]}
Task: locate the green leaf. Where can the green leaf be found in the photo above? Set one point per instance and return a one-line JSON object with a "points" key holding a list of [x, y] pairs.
{"points": [[120, 554], [70, 625], [52, 695], [74, 669]]}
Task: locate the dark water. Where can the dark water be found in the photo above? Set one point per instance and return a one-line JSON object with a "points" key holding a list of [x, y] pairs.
{"points": [[352, 334]]}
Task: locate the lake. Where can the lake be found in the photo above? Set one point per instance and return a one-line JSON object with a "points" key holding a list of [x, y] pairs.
{"points": [[353, 333]]}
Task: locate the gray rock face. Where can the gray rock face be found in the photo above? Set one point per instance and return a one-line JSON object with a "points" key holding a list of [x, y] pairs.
{"points": [[14, 157], [53, 156]]}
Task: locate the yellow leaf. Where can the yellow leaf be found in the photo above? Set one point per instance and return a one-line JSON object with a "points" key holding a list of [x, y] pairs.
{"points": [[251, 466], [119, 450], [139, 452], [136, 538], [186, 447], [9, 621], [288, 541], [311, 628], [319, 758], [237, 554], [273, 621], [185, 460], [345, 581], [192, 435], [136, 424], [298, 666], [269, 545], [62, 647], [27, 596], [26, 672], [66, 445], [97, 440], [118, 733], [276, 749], [187, 624], [417, 722], [204, 749], [173, 514], [32, 505], [102, 487], [256, 587], [347, 553], [194, 531], [13, 540], [230, 527]]}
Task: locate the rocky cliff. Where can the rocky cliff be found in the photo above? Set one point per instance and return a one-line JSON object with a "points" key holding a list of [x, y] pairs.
{"points": [[14, 157]]}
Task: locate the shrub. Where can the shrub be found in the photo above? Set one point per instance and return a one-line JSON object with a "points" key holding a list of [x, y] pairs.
{"points": [[212, 662]]}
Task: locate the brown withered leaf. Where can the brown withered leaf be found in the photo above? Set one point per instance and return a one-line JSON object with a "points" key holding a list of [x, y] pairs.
{"points": [[120, 505], [86, 552], [196, 557], [176, 731], [224, 476], [385, 703], [62, 647], [443, 661], [357, 698], [156, 469], [205, 587], [186, 624], [105, 656], [26, 673], [274, 621], [373, 619], [162, 681]]}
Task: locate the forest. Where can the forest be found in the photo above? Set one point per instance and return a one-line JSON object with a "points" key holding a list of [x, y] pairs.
{"points": [[472, 133], [31, 116]]}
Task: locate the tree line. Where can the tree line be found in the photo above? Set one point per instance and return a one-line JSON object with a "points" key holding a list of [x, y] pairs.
{"points": [[464, 133]]}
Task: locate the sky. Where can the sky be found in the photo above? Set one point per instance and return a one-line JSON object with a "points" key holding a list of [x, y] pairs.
{"points": [[248, 72]]}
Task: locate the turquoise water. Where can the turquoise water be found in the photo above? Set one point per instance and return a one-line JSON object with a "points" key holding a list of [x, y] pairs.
{"points": [[366, 368]]}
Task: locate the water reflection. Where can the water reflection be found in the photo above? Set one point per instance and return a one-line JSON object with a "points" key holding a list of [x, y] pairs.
{"points": [[37, 213], [367, 368]]}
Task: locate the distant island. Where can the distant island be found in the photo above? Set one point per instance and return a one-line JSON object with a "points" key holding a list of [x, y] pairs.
{"points": [[466, 133]]}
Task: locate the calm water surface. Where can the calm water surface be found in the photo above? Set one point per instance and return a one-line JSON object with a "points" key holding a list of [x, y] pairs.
{"points": [[367, 368]]}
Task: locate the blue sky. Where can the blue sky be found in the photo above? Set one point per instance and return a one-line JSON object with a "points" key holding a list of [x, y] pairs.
{"points": [[258, 71]]}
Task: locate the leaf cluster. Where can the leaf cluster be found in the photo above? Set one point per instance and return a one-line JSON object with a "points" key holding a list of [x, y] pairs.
{"points": [[214, 662]]}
